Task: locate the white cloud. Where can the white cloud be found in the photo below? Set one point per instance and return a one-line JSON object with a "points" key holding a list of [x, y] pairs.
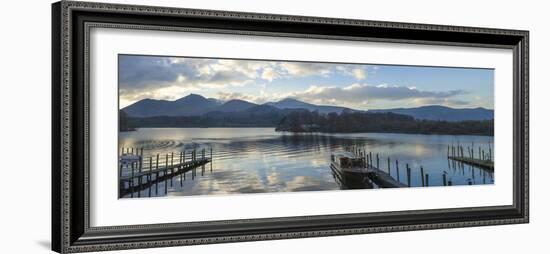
{"points": [[359, 74], [363, 94], [270, 74]]}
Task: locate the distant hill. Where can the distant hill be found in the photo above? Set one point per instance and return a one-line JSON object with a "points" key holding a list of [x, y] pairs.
{"points": [[289, 103], [442, 113], [235, 106], [197, 105], [189, 105]]}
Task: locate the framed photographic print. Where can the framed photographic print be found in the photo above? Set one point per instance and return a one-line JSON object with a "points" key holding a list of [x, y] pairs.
{"points": [[181, 126]]}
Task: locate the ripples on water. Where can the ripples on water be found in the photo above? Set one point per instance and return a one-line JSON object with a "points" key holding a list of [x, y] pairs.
{"points": [[255, 160]]}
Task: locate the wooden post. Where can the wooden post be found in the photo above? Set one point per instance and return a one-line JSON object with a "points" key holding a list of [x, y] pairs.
{"points": [[427, 180], [408, 175], [120, 171], [172, 170], [448, 148], [139, 186], [479, 154], [389, 172], [490, 154], [165, 177], [422, 176], [149, 176], [444, 179], [370, 158], [132, 180], [181, 168], [131, 183], [120, 182], [156, 183], [157, 176], [397, 169], [377, 161]]}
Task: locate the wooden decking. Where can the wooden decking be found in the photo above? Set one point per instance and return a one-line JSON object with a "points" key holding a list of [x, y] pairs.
{"points": [[138, 173], [144, 180], [383, 179], [485, 164]]}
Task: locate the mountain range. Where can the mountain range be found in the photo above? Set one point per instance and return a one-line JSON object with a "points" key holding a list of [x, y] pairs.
{"points": [[197, 105]]}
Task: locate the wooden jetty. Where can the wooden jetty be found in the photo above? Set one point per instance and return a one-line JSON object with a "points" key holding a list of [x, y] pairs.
{"points": [[137, 173], [483, 159], [485, 164], [374, 173], [383, 178]]}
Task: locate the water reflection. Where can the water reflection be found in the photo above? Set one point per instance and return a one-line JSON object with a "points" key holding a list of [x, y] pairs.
{"points": [[256, 160]]}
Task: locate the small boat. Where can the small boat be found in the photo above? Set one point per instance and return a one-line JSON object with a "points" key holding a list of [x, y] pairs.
{"points": [[350, 171]]}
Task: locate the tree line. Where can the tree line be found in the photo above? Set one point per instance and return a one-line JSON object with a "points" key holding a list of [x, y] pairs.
{"points": [[353, 122]]}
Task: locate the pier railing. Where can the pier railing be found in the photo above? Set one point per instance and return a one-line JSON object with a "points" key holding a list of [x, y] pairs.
{"points": [[138, 172]]}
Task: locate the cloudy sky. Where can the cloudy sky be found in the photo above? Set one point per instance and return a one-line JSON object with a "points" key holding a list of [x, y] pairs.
{"points": [[358, 86]]}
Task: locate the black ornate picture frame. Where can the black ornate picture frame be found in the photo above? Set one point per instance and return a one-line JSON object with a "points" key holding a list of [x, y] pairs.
{"points": [[71, 23]]}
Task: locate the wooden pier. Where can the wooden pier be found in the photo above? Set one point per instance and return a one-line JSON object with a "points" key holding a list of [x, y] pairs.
{"points": [[383, 179], [374, 173], [482, 160], [485, 164], [138, 173], [382, 175]]}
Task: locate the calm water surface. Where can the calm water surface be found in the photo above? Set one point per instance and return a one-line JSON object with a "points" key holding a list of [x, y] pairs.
{"points": [[255, 160]]}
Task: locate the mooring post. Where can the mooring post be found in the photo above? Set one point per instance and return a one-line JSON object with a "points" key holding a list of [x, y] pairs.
{"points": [[397, 169], [120, 182], [389, 166], [469, 181], [370, 160], [120, 171], [422, 176], [427, 180], [448, 148], [377, 161], [172, 170], [408, 175], [165, 177], [450, 183], [139, 187], [444, 179], [479, 153], [141, 159], [490, 154]]}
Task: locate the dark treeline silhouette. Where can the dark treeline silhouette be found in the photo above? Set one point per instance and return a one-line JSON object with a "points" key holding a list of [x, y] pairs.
{"points": [[299, 120], [259, 116], [123, 121], [304, 121]]}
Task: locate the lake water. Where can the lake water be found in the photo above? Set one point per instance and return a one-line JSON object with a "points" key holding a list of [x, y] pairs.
{"points": [[256, 160]]}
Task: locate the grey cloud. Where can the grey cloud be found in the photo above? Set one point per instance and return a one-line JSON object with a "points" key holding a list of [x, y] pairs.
{"points": [[361, 93]]}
